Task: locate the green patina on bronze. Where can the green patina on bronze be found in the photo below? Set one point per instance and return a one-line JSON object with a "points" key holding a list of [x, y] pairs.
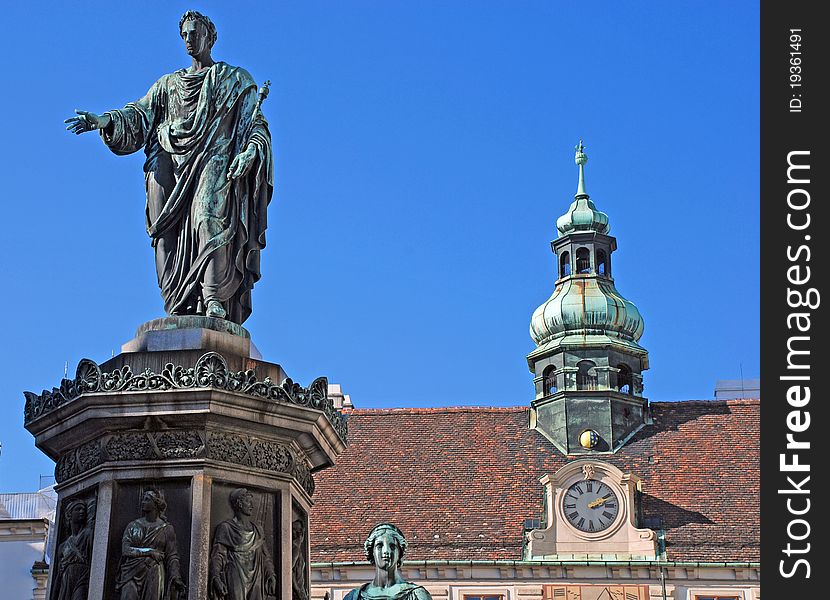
{"points": [[209, 176], [385, 547], [588, 362]]}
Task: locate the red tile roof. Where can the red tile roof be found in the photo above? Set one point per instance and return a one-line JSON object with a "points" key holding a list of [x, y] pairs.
{"points": [[461, 481]]}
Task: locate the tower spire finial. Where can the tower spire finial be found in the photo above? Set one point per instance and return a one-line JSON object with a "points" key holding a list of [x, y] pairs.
{"points": [[581, 158]]}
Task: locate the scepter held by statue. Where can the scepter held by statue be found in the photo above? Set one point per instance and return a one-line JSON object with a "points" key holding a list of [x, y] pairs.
{"points": [[262, 95]]}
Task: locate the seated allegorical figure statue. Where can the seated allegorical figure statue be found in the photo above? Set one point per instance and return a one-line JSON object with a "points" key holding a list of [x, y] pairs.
{"points": [[240, 565], [149, 568], [385, 548]]}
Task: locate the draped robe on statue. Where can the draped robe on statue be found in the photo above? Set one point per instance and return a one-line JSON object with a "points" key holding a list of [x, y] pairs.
{"points": [[240, 559], [207, 231], [402, 591], [142, 576], [73, 559]]}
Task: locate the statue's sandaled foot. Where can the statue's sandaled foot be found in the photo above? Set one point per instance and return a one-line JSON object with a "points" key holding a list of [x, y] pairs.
{"points": [[215, 309]]}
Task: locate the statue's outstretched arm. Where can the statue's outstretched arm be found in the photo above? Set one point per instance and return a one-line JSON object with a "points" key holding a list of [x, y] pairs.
{"points": [[87, 121]]}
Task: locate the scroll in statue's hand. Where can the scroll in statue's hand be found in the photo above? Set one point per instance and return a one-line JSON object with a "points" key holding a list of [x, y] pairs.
{"points": [[242, 163], [86, 121]]}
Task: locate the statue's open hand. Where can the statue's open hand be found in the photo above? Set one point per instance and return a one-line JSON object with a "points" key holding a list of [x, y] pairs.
{"points": [[180, 587], [219, 587], [271, 585], [242, 163], [86, 121]]}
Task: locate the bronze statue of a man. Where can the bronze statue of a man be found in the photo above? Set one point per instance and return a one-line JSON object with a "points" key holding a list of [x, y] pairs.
{"points": [[385, 548], [240, 565], [208, 175], [149, 567]]}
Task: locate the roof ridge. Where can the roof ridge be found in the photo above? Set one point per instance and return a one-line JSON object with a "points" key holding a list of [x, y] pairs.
{"points": [[515, 409], [709, 402], [437, 409]]}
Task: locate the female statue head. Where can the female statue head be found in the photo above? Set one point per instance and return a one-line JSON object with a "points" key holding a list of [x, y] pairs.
{"points": [[153, 500], [75, 512], [385, 538]]}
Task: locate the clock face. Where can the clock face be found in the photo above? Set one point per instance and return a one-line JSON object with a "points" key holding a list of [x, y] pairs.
{"points": [[590, 506]]}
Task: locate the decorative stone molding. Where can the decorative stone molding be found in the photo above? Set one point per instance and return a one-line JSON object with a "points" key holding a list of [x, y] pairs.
{"points": [[618, 539], [210, 372], [175, 444]]}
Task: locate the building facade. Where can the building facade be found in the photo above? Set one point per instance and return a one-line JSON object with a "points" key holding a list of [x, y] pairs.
{"points": [[590, 492], [25, 522]]}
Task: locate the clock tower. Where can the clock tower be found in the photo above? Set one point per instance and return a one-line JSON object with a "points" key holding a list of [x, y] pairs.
{"points": [[587, 363]]}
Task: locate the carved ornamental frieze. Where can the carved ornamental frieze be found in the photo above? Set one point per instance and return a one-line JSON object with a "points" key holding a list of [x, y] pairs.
{"points": [[210, 372], [169, 444]]}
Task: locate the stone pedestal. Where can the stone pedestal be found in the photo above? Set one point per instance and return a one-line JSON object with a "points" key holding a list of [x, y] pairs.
{"points": [[188, 412]]}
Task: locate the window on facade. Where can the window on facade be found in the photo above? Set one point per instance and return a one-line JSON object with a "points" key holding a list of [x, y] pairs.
{"points": [[484, 597], [602, 262], [565, 264], [586, 375], [625, 381], [549, 380], [583, 260]]}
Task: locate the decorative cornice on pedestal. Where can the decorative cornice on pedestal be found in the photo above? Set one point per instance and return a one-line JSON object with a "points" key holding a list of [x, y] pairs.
{"points": [[182, 444], [210, 372]]}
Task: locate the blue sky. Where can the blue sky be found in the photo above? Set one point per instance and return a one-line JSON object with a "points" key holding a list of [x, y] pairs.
{"points": [[423, 153]]}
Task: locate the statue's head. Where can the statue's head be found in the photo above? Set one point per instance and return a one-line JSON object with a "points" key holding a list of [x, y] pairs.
{"points": [[75, 512], [153, 499], [197, 31], [241, 501], [385, 546]]}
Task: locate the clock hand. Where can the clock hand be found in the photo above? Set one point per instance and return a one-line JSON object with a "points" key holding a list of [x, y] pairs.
{"points": [[597, 502]]}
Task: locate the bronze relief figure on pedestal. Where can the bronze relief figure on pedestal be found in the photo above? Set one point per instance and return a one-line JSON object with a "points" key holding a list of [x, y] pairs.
{"points": [[149, 567], [74, 553], [240, 565]]}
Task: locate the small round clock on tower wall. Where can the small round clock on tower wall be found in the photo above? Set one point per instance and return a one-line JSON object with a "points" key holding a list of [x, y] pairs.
{"points": [[590, 505]]}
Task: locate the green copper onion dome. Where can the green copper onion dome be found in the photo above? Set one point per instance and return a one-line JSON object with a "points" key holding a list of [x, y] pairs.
{"points": [[582, 215], [586, 305], [588, 363], [585, 300]]}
